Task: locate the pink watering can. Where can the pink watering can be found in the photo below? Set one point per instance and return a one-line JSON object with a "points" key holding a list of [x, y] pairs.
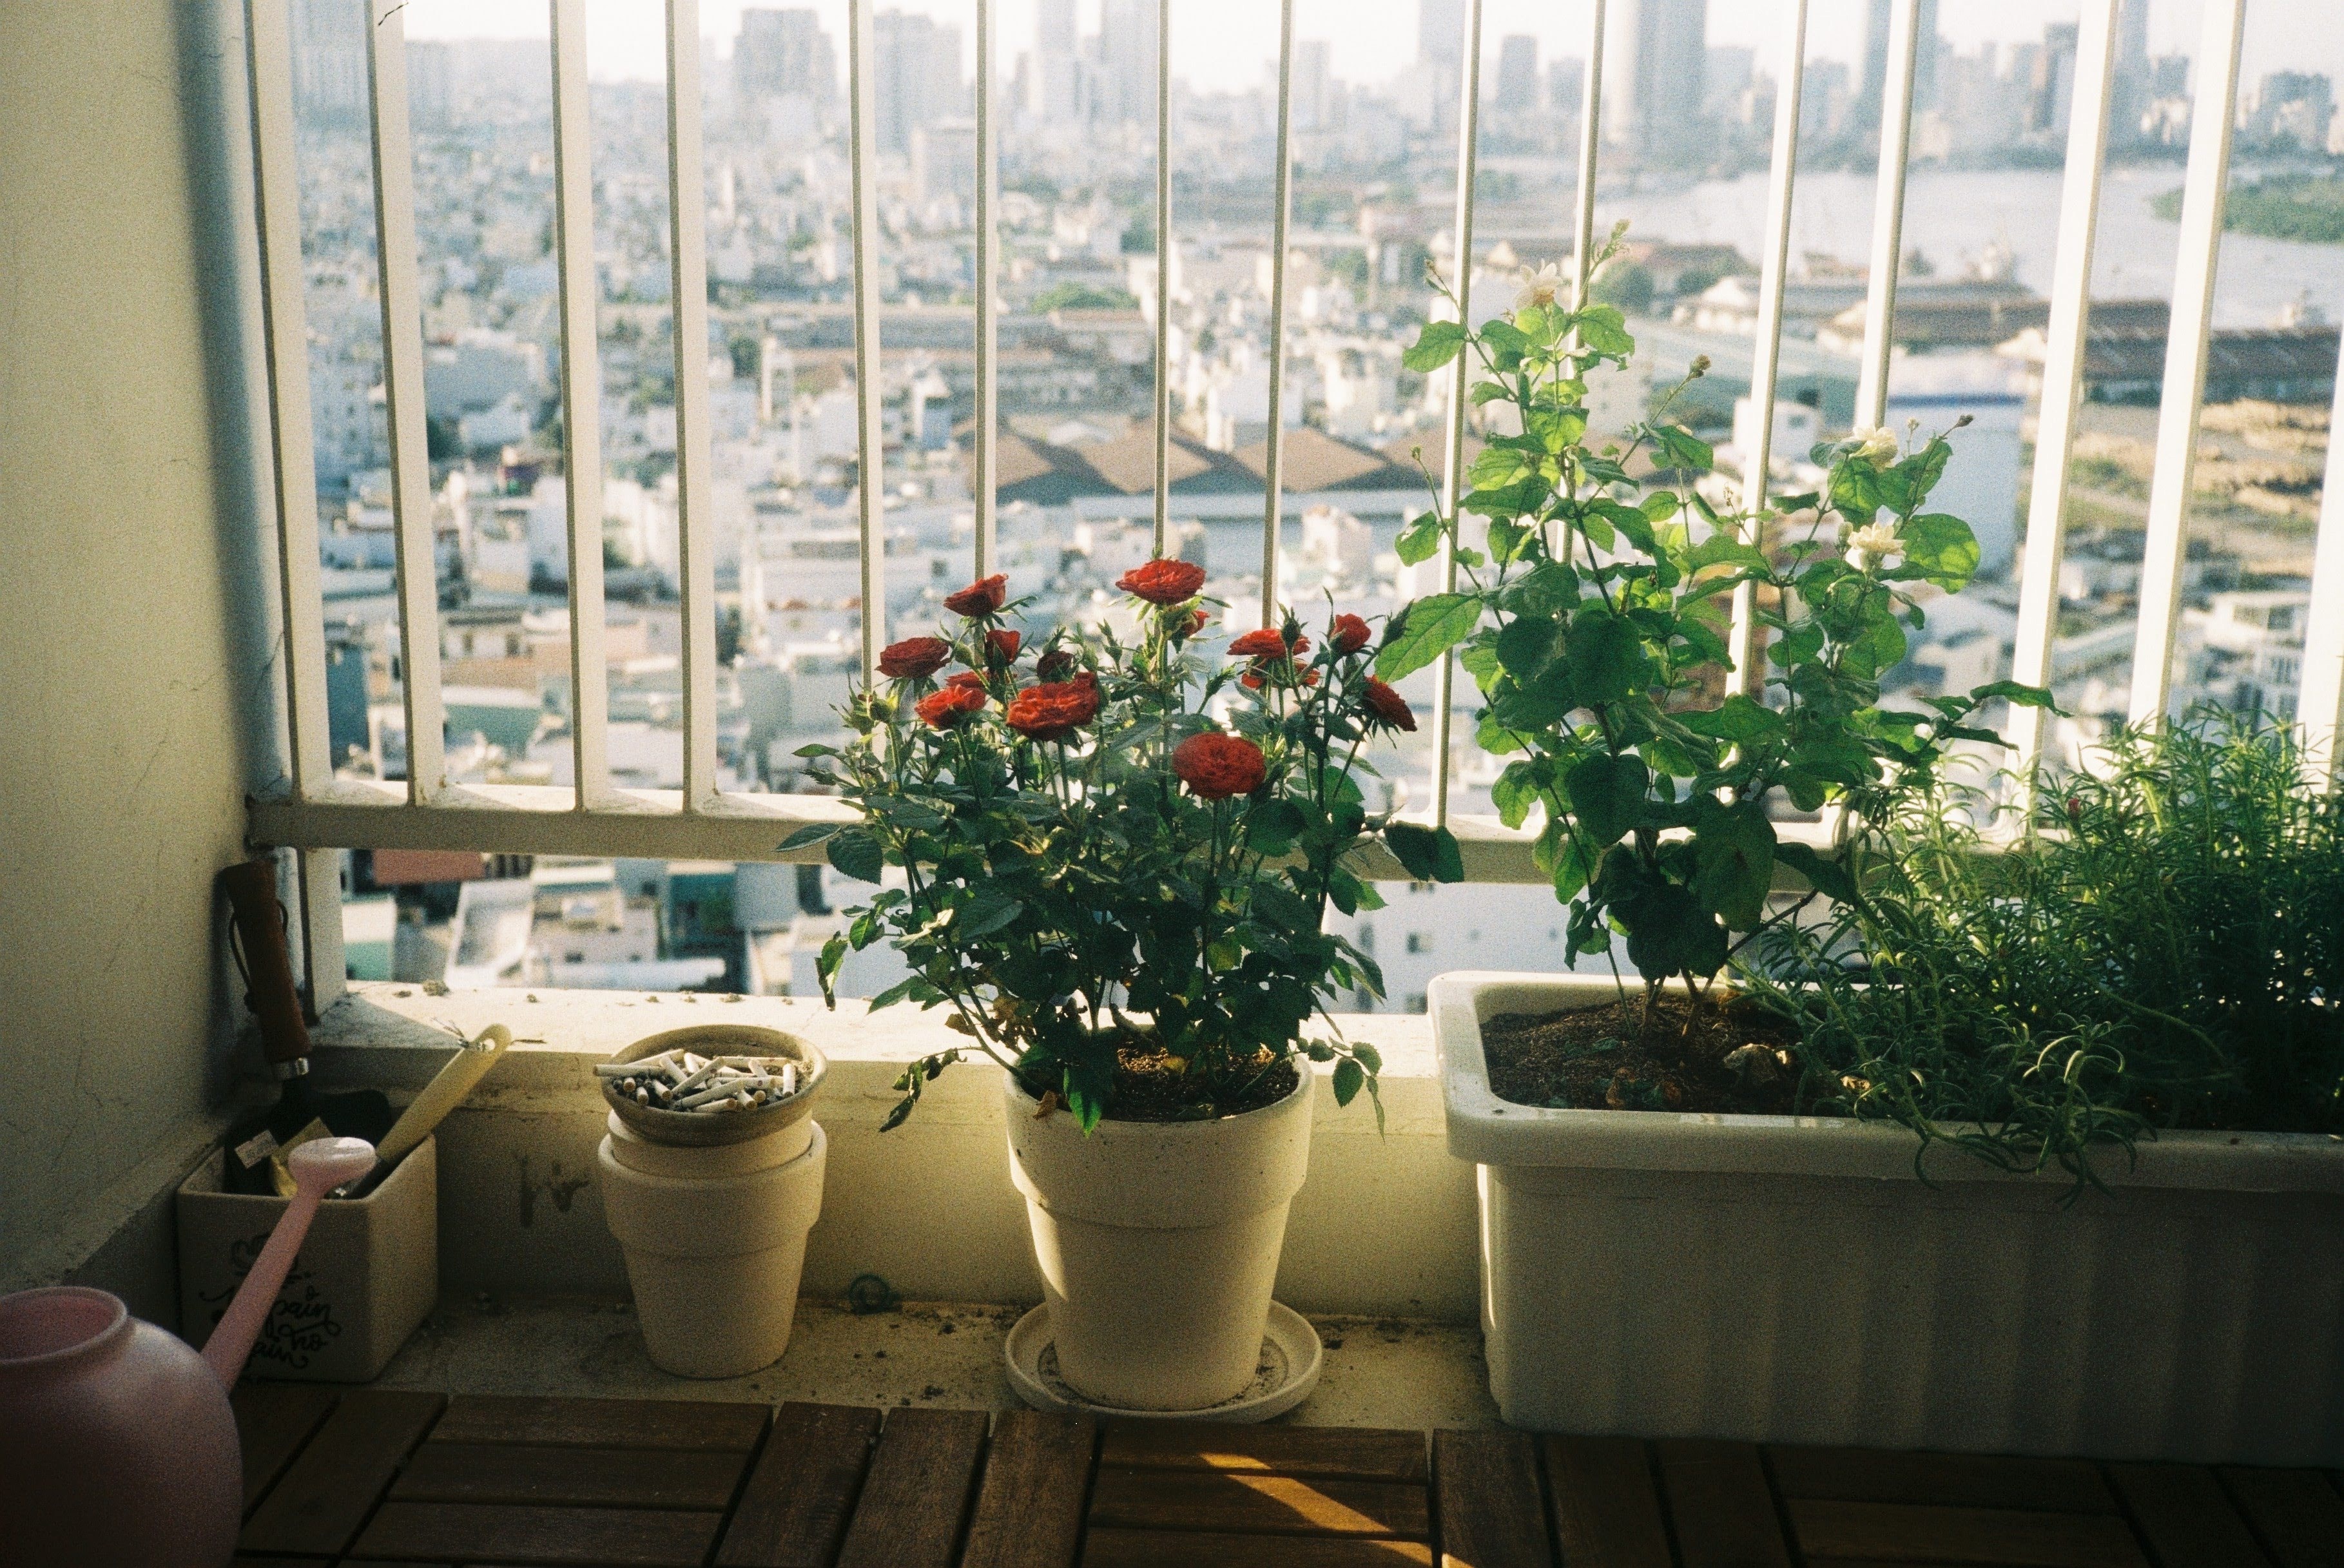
{"points": [[117, 1449]]}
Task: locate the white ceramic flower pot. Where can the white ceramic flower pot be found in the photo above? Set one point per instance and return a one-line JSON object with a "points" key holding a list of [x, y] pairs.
{"points": [[715, 1241], [1159, 1244], [1792, 1280]]}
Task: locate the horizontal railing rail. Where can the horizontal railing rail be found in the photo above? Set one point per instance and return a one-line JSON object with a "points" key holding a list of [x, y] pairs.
{"points": [[316, 812]]}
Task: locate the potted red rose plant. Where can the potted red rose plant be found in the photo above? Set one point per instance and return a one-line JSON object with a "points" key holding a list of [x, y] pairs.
{"points": [[1118, 848]]}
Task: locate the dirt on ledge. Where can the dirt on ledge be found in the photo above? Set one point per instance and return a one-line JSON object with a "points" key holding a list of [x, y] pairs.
{"points": [[1730, 1056]]}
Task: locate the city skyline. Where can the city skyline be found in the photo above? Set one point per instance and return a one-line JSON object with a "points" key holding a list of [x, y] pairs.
{"points": [[1224, 45]]}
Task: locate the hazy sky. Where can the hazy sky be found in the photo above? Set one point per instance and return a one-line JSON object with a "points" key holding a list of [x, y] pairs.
{"points": [[1225, 42]]}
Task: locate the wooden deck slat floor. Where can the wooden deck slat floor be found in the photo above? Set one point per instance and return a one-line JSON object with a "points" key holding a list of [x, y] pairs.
{"points": [[391, 1480]]}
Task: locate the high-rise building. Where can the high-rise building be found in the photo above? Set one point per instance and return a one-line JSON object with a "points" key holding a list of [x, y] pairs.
{"points": [[2134, 87], [2051, 83], [780, 53], [1654, 56], [916, 64], [1314, 86], [1440, 34], [1566, 86], [330, 86], [1517, 74], [1129, 35], [1871, 97], [1053, 28]]}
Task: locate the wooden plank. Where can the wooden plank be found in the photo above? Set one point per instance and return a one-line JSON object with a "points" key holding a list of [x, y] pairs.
{"points": [[1606, 1509], [1724, 1509], [1365, 1453], [1491, 1515], [1955, 1480], [334, 1482], [1029, 1507], [1249, 1504], [706, 1426], [915, 1495], [272, 1422], [601, 1477], [550, 1537], [1185, 1549], [2298, 1513], [1921, 1533], [2185, 1516], [794, 1511]]}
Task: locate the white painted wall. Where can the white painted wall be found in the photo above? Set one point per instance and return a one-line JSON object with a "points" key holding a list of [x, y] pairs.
{"points": [[123, 735]]}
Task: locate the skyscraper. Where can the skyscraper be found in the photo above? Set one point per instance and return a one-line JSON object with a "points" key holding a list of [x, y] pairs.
{"points": [[329, 62], [1440, 32], [2134, 87], [1517, 74], [917, 64], [783, 52], [1128, 59], [1652, 69], [1872, 98]]}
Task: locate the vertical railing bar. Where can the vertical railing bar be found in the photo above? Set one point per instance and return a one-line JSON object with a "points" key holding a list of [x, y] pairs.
{"points": [[1274, 467], [2320, 703], [869, 441], [1745, 678], [2203, 198], [284, 326], [1590, 138], [1452, 436], [2063, 370], [318, 877], [402, 391], [581, 403], [1888, 213], [988, 254], [1163, 274], [688, 286]]}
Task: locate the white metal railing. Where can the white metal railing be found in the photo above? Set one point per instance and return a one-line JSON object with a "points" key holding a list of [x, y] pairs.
{"points": [[317, 812]]}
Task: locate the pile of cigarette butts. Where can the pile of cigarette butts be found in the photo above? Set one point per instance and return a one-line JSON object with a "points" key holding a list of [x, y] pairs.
{"points": [[680, 1080]]}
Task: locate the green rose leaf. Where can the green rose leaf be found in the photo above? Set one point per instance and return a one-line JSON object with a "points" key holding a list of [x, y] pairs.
{"points": [[1435, 346], [1425, 630], [1426, 854], [812, 833], [1607, 797], [1734, 857], [857, 855]]}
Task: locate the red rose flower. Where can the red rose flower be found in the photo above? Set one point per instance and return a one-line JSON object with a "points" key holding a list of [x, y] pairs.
{"points": [[1269, 643], [913, 657], [1001, 646], [968, 678], [1054, 665], [950, 705], [1388, 707], [1190, 627], [1054, 710], [981, 598], [1216, 767], [1162, 582], [1349, 635]]}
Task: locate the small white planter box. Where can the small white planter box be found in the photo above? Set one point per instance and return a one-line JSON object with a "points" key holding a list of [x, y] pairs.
{"points": [[1792, 1280], [366, 1274]]}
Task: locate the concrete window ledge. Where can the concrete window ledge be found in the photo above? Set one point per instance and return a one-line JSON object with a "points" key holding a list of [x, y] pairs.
{"points": [[1384, 1227]]}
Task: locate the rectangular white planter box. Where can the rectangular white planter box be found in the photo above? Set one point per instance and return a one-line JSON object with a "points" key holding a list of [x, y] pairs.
{"points": [[367, 1273], [1792, 1280]]}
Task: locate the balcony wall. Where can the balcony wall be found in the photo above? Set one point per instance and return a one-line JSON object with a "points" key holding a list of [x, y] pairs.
{"points": [[125, 742]]}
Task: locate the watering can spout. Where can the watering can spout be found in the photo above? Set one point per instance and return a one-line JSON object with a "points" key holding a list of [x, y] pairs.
{"points": [[318, 1167]]}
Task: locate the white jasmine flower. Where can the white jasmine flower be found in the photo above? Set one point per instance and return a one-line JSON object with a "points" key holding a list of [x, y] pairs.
{"points": [[1874, 541], [1541, 287], [1874, 444]]}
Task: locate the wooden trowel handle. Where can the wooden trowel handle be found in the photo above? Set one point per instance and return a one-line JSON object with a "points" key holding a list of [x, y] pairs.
{"points": [[269, 990]]}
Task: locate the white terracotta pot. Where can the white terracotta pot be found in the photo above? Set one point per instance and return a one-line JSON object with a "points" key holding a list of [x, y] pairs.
{"points": [[1792, 1280], [1158, 1243], [715, 1241]]}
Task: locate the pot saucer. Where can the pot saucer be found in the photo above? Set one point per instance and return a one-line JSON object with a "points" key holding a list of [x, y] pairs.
{"points": [[1287, 1371]]}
